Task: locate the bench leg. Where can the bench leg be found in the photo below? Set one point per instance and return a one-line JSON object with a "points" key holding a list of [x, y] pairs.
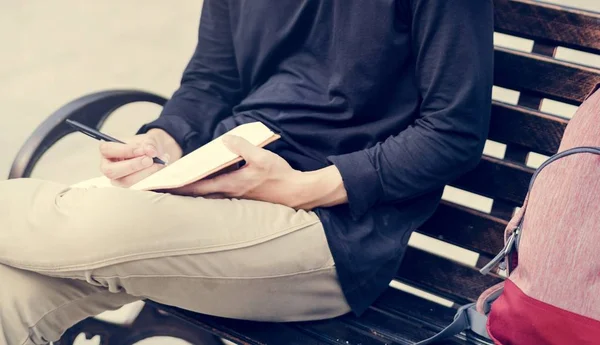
{"points": [[151, 322]]}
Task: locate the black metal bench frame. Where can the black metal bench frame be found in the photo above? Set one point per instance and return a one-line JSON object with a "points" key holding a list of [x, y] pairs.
{"points": [[397, 317]]}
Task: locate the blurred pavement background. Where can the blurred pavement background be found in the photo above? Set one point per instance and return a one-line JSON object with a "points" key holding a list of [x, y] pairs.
{"points": [[55, 51]]}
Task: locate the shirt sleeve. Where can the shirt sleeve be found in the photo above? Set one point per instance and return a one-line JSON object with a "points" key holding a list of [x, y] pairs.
{"points": [[210, 85], [452, 43]]}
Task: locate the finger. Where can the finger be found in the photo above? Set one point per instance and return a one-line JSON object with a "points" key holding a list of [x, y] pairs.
{"points": [[215, 196], [223, 171], [119, 169], [112, 150], [183, 192], [150, 150], [134, 178], [226, 184], [244, 148], [166, 158], [134, 149], [200, 188]]}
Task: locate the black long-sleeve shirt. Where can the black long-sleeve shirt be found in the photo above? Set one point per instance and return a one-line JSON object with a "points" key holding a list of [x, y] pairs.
{"points": [[395, 93]]}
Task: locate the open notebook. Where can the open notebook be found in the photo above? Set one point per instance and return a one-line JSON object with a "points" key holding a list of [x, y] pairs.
{"points": [[202, 162]]}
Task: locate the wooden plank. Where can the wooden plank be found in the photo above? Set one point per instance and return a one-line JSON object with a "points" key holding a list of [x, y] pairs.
{"points": [[551, 24], [395, 329], [443, 277], [244, 332], [400, 317], [543, 49], [502, 209], [336, 331], [517, 153], [497, 179], [395, 318], [543, 76], [540, 132], [467, 228], [405, 305]]}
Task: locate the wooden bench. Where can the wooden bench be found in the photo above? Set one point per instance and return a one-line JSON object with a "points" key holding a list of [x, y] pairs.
{"points": [[400, 317]]}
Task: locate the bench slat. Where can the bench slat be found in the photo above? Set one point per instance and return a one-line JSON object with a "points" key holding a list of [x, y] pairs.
{"points": [[398, 329], [549, 24], [543, 76], [336, 331], [467, 228], [406, 305], [395, 329], [532, 129], [497, 179], [244, 332], [443, 277], [396, 318]]}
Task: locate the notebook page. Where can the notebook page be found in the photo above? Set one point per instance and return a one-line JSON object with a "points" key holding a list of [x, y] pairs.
{"points": [[203, 160]]}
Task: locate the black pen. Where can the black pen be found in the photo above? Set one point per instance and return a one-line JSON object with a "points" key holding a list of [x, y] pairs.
{"points": [[101, 136]]}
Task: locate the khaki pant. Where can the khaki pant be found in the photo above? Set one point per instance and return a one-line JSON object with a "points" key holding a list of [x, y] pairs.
{"points": [[66, 254]]}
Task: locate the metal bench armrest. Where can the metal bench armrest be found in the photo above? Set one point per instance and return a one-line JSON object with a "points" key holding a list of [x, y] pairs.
{"points": [[91, 110]]}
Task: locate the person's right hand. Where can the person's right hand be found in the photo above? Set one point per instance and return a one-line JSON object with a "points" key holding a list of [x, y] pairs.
{"points": [[126, 164]]}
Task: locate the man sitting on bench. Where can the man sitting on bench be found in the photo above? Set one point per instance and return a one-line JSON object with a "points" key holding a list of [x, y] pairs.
{"points": [[379, 103]]}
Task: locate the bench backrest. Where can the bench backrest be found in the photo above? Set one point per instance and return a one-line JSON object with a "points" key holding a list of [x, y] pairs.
{"points": [[523, 129]]}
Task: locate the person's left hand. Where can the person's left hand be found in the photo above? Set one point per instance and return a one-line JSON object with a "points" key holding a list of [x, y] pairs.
{"points": [[265, 176]]}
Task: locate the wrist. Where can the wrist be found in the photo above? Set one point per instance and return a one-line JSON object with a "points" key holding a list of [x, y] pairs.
{"points": [[167, 142], [321, 188]]}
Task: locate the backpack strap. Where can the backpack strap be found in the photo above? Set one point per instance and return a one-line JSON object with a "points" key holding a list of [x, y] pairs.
{"points": [[467, 318], [575, 150], [508, 248], [461, 322], [512, 242], [580, 149]]}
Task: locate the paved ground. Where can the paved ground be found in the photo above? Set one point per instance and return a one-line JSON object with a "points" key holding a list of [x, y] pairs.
{"points": [[55, 51]]}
